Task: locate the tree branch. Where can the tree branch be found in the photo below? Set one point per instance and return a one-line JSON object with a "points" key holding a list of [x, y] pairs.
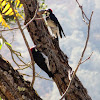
{"points": [[32, 60], [83, 14], [12, 84], [87, 58], [31, 19], [13, 52]]}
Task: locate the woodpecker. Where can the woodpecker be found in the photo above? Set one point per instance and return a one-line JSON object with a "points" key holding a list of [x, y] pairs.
{"points": [[54, 24], [41, 60]]}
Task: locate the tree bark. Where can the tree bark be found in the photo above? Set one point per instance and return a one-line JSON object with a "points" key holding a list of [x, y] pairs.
{"points": [[12, 84], [50, 47]]}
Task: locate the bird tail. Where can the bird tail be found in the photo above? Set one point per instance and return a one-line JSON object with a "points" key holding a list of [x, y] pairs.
{"points": [[61, 31]]}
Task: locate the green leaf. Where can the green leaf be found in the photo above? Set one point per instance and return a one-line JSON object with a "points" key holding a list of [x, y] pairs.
{"points": [[0, 46], [8, 44], [1, 43], [0, 98]]}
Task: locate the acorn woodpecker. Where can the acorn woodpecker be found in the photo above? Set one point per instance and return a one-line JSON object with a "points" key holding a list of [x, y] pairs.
{"points": [[41, 60], [54, 24]]}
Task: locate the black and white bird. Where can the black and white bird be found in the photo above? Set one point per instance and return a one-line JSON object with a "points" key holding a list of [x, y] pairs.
{"points": [[54, 24], [41, 60]]}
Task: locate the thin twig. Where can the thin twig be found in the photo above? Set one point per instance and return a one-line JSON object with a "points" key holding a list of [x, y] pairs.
{"points": [[38, 73], [87, 58], [13, 52], [83, 14], [24, 26], [31, 53], [80, 61], [9, 29], [43, 78], [23, 68], [37, 76], [31, 19], [32, 60]]}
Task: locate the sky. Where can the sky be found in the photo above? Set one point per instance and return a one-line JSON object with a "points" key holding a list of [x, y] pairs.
{"points": [[69, 16]]}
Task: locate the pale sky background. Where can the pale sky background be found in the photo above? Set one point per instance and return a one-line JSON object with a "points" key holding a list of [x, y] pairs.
{"points": [[69, 15]]}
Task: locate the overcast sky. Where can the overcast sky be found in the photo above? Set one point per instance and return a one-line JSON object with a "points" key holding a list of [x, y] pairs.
{"points": [[69, 15]]}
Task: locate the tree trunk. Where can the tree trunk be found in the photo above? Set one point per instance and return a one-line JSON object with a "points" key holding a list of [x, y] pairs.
{"points": [[12, 84], [57, 59]]}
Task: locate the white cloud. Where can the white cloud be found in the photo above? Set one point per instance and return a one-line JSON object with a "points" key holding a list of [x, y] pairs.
{"points": [[97, 36], [91, 81], [54, 94], [97, 2]]}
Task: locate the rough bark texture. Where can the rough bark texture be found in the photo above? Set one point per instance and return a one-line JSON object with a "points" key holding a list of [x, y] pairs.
{"points": [[50, 47], [12, 84]]}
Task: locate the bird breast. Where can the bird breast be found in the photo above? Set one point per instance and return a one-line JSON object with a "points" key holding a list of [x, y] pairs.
{"points": [[51, 23]]}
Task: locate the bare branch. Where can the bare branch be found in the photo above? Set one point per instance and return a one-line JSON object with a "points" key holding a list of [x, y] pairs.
{"points": [[24, 26], [80, 61], [25, 42], [37, 76], [12, 90], [24, 67], [83, 14], [87, 58], [9, 29], [16, 53], [31, 19], [43, 78]]}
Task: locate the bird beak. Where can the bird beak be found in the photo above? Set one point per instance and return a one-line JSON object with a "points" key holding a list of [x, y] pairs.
{"points": [[38, 45], [45, 11], [41, 12]]}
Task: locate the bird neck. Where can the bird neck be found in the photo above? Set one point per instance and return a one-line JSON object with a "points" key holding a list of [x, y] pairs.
{"points": [[51, 13]]}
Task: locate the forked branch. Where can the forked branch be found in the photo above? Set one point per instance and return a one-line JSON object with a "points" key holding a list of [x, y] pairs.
{"points": [[80, 60], [16, 53], [83, 13], [32, 60]]}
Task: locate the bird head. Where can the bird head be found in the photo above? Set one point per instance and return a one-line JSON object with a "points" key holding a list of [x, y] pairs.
{"points": [[33, 48], [41, 12], [50, 11]]}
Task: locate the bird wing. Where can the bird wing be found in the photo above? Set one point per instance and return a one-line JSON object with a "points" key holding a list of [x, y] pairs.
{"points": [[60, 29], [46, 60], [53, 18]]}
